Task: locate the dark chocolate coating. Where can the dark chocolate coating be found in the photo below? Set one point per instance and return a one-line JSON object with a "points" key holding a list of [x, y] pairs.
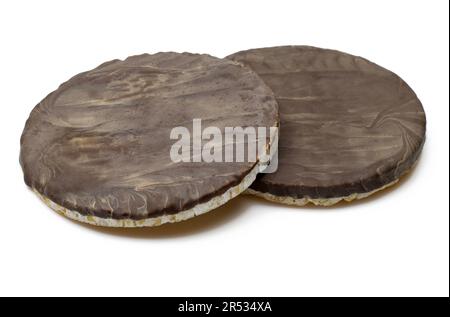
{"points": [[100, 144], [347, 125]]}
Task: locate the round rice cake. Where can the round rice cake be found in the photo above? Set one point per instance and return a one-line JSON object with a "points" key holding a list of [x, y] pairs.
{"points": [[348, 126], [97, 149]]}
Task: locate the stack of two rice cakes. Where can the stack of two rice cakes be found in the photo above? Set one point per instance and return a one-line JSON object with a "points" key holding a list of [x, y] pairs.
{"points": [[100, 148]]}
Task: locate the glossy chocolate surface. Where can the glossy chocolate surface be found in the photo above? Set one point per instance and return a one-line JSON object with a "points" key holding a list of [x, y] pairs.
{"points": [[100, 143], [347, 125]]}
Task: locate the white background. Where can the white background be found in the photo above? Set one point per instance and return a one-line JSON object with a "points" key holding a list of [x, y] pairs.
{"points": [[396, 243]]}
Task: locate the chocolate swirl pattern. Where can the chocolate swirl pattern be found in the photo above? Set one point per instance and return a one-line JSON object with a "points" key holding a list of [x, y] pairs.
{"points": [[348, 127], [98, 147]]}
